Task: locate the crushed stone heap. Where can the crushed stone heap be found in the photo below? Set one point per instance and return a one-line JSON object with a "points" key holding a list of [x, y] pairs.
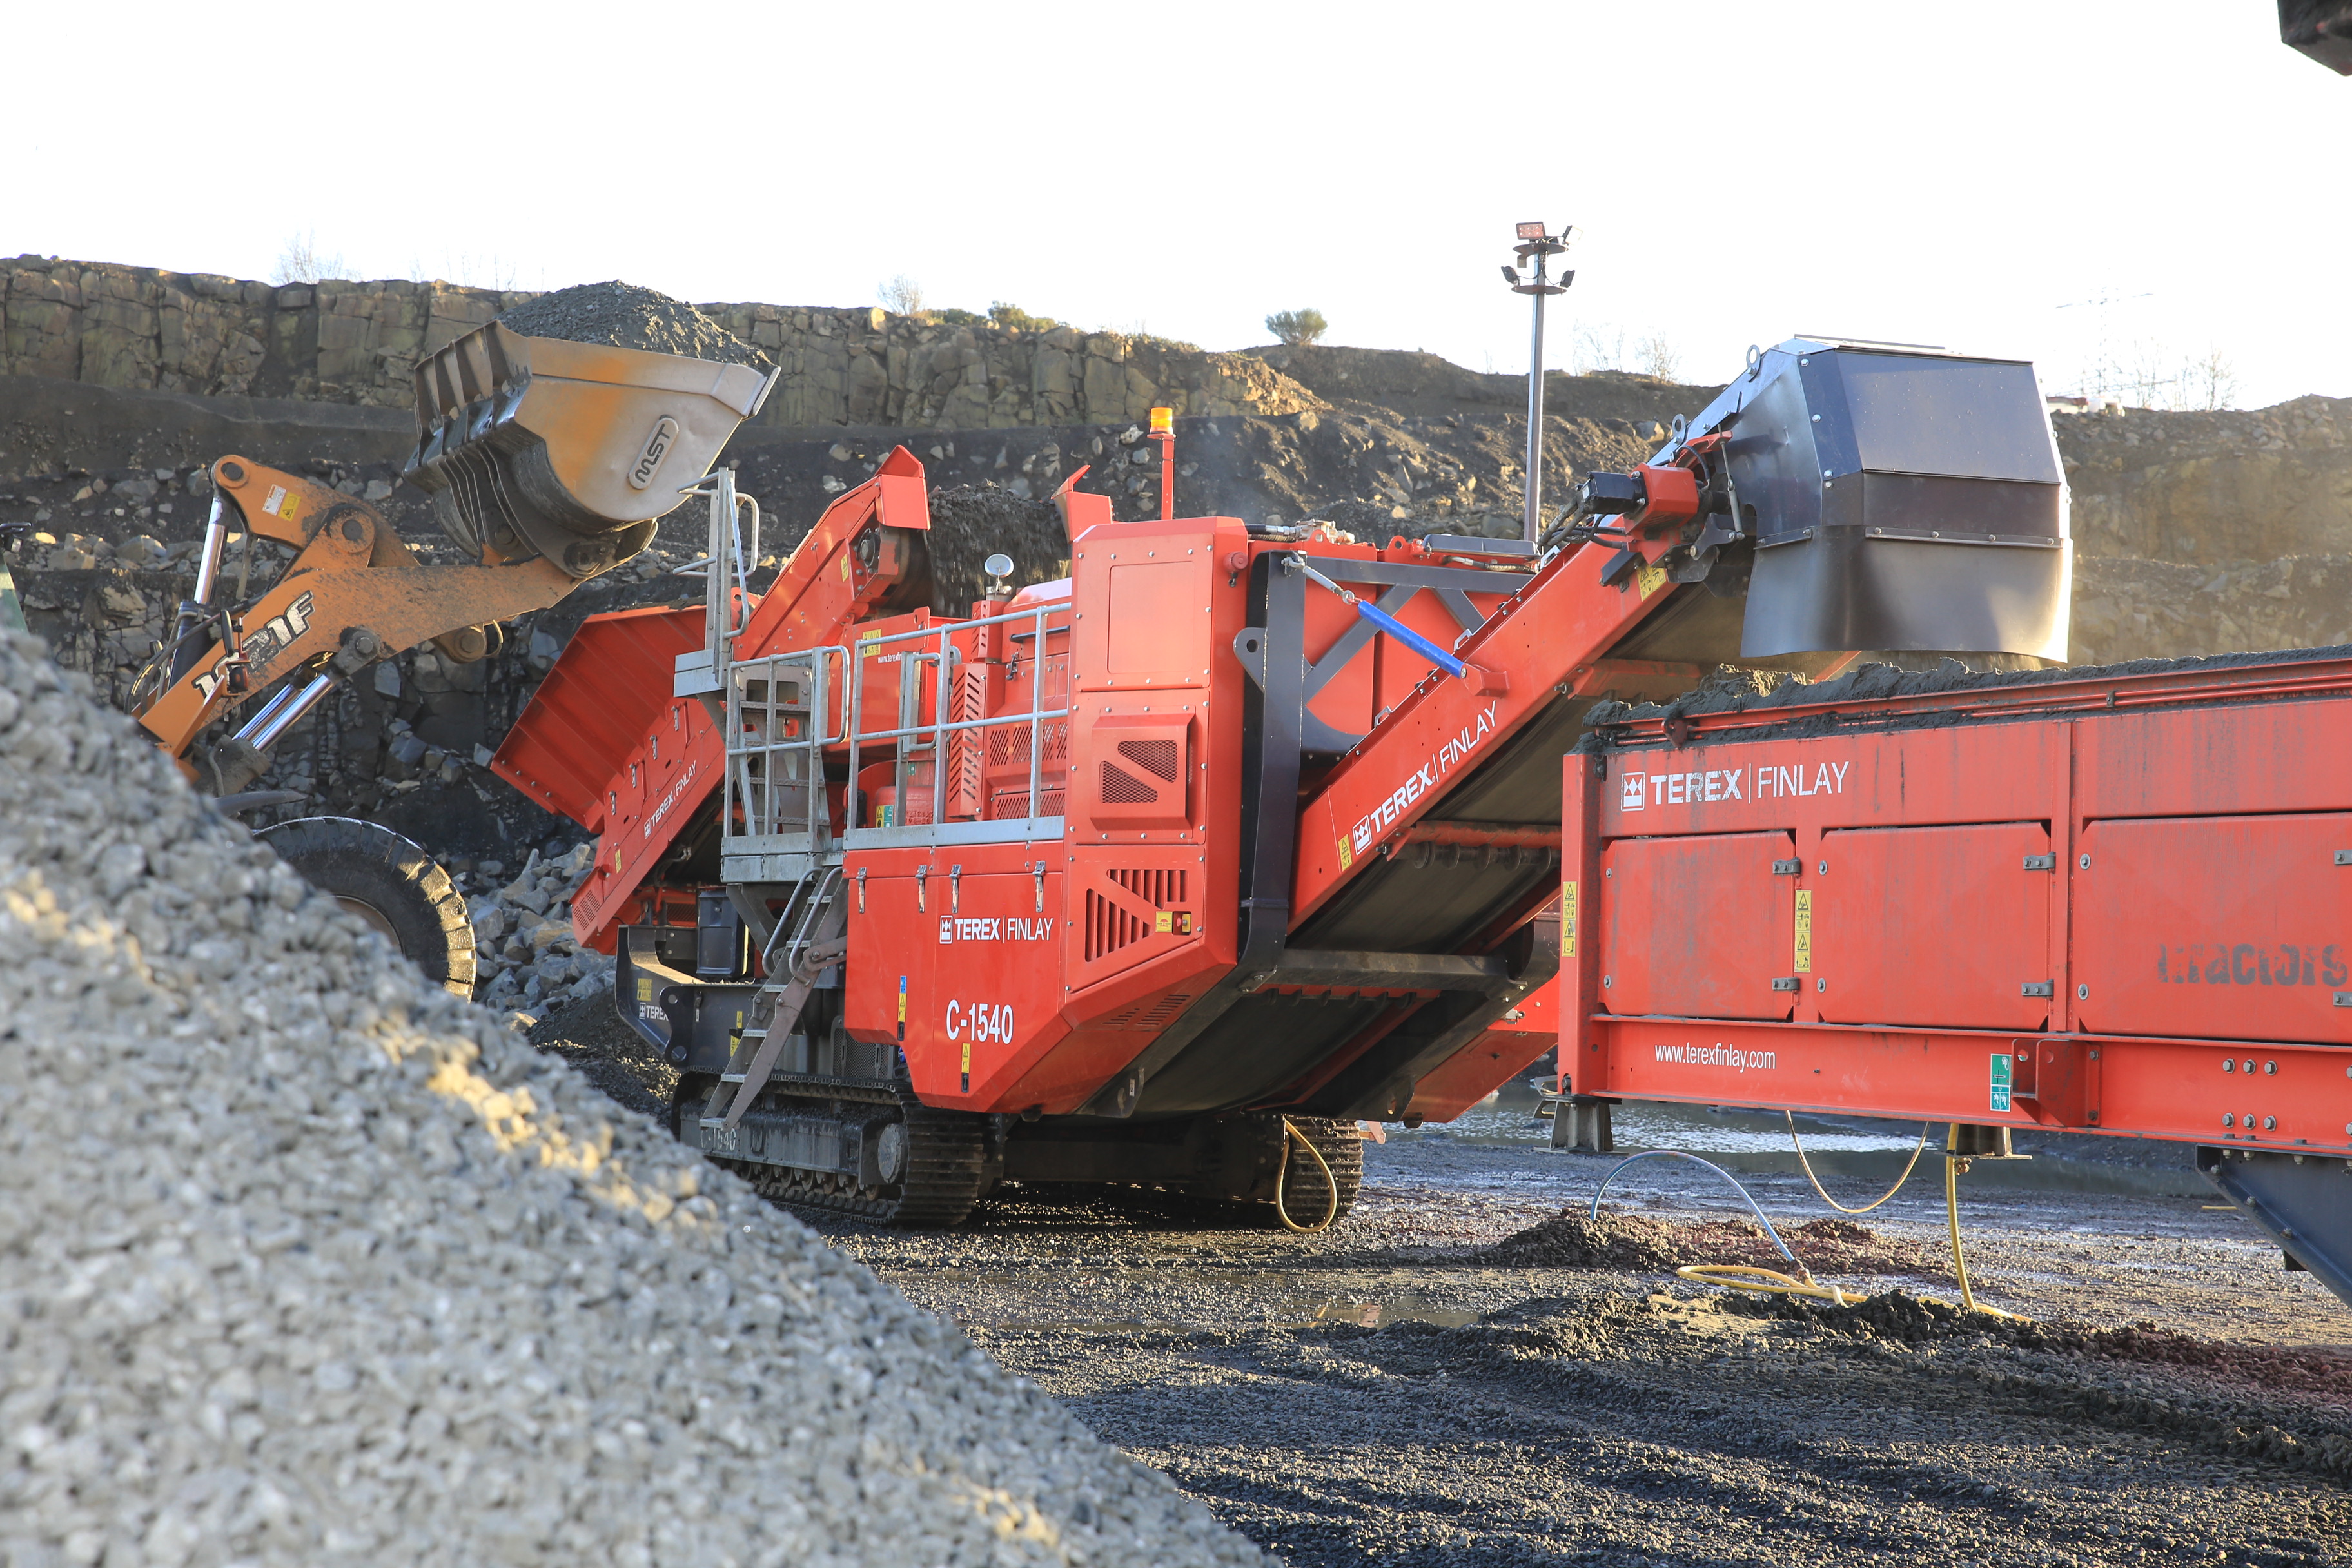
{"points": [[303, 1261], [623, 315]]}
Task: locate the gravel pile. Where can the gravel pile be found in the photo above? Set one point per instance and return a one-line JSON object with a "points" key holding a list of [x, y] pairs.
{"points": [[305, 1262], [1571, 1239], [625, 316], [971, 522], [524, 951]]}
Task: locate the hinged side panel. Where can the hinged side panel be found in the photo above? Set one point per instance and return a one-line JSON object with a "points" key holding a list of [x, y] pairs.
{"points": [[1696, 927], [1940, 927], [2223, 927]]}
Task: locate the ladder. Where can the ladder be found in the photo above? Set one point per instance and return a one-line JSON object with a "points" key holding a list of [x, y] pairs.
{"points": [[817, 943]]}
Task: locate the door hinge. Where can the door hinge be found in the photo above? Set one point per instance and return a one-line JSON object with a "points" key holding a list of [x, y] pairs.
{"points": [[2038, 988], [2042, 862], [1787, 867], [1784, 983]]}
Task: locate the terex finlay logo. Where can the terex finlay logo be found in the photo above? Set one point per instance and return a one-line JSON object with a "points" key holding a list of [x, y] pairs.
{"points": [[670, 799], [1765, 781], [1448, 756]]}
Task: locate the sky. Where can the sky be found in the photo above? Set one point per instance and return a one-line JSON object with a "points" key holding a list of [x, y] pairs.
{"points": [[2027, 180]]}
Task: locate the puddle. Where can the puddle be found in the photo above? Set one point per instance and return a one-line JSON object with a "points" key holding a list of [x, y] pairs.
{"points": [[1378, 1314]]}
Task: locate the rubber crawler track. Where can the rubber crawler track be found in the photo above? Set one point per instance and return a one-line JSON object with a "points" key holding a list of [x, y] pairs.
{"points": [[1303, 1192], [945, 1160]]}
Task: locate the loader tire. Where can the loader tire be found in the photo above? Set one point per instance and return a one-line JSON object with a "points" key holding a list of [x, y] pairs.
{"points": [[393, 885]]}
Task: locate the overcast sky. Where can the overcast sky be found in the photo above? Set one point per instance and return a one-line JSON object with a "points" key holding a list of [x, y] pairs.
{"points": [[1979, 176]]}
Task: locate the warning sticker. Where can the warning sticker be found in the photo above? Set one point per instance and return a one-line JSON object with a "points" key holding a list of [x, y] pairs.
{"points": [[1804, 931], [1346, 854], [1568, 920], [281, 503], [1652, 579], [2000, 1081]]}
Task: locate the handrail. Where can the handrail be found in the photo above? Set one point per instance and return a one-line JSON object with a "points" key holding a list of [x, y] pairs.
{"points": [[931, 644]]}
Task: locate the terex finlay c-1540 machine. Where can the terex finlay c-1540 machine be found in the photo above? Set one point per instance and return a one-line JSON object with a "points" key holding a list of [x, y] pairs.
{"points": [[1168, 872]]}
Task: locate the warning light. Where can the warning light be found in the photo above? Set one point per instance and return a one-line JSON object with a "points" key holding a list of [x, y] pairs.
{"points": [[1163, 422], [1531, 231]]}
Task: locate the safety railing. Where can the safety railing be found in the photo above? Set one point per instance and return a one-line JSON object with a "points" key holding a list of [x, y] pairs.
{"points": [[918, 743], [778, 707], [785, 710]]}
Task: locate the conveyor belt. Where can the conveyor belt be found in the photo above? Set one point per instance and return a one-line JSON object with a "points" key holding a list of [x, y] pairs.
{"points": [[1457, 869]]}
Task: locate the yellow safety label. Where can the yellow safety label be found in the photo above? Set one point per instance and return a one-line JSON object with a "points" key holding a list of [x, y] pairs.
{"points": [[1568, 920], [844, 565], [1164, 922], [1652, 579], [1346, 853], [644, 990], [966, 1069], [1804, 931]]}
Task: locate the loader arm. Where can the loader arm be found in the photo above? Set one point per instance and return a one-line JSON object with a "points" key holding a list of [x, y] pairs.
{"points": [[353, 593]]}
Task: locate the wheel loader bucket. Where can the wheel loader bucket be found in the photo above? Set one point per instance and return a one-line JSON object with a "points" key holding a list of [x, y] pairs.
{"points": [[541, 447]]}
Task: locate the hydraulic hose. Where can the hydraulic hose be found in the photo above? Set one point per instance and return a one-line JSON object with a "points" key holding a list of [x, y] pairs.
{"points": [[1282, 1173], [1917, 1149]]}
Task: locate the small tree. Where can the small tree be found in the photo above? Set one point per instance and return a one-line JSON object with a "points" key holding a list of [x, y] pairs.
{"points": [[1297, 328], [301, 261], [902, 295], [2212, 379], [1658, 356]]}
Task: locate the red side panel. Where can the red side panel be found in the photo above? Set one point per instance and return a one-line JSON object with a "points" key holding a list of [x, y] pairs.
{"points": [[594, 707], [2229, 927], [1944, 927], [1698, 927]]}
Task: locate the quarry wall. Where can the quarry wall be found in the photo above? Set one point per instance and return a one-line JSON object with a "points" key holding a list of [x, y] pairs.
{"points": [[143, 329]]}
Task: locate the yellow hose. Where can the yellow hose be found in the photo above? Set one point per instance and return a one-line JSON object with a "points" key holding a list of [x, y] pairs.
{"points": [[1952, 1218], [1745, 1276], [1807, 1166], [1282, 1173]]}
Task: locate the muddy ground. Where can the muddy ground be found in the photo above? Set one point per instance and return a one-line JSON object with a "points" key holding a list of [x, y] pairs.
{"points": [[1393, 1393]]}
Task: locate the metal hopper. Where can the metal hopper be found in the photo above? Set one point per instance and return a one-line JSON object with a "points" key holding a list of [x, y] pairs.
{"points": [[570, 451]]}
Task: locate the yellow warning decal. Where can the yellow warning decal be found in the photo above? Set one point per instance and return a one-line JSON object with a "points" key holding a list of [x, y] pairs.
{"points": [[844, 565], [966, 1069], [1164, 922], [282, 503], [1804, 931], [1346, 853], [1568, 920], [1652, 579], [644, 990]]}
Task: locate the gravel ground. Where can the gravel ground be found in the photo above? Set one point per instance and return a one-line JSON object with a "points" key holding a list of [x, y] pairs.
{"points": [[1395, 1392], [305, 1261], [1413, 1389]]}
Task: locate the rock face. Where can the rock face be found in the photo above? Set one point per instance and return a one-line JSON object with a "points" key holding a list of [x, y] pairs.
{"points": [[383, 1284], [2210, 533], [141, 329]]}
